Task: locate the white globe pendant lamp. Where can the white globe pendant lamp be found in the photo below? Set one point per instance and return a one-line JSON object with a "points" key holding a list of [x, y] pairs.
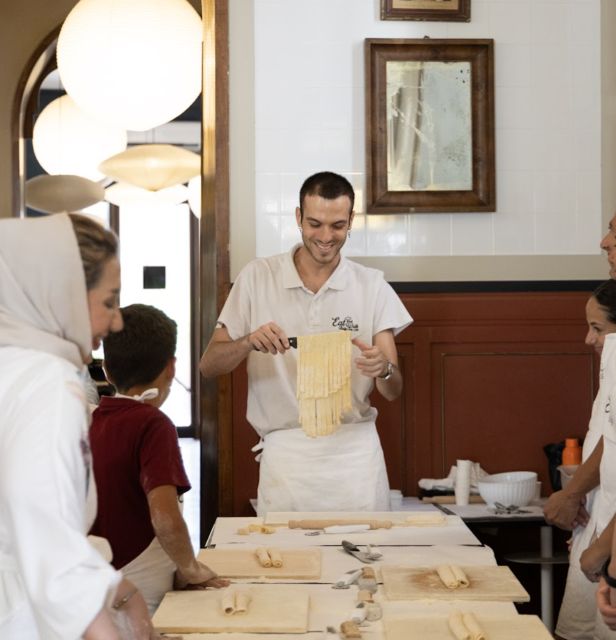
{"points": [[133, 63], [68, 141], [194, 195]]}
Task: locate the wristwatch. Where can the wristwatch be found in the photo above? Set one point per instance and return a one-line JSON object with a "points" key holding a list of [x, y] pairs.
{"points": [[608, 578], [389, 372]]}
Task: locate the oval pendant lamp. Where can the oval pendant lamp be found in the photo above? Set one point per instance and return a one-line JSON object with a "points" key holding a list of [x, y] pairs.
{"points": [[152, 166], [133, 63], [53, 194], [68, 141], [123, 195]]}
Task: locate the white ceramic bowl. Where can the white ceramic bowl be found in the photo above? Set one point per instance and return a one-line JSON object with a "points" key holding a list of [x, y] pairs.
{"points": [[512, 488]]}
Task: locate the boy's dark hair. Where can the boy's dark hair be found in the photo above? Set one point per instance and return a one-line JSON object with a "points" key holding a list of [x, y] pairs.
{"points": [[137, 354], [328, 185], [605, 294]]}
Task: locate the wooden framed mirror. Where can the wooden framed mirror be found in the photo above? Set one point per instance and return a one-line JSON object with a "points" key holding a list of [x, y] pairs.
{"points": [[429, 126]]}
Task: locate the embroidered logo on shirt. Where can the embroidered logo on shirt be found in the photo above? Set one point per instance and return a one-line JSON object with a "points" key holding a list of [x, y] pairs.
{"points": [[345, 324]]}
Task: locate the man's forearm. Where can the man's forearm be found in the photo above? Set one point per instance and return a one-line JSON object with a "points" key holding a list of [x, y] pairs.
{"points": [[222, 357], [172, 533], [392, 388]]}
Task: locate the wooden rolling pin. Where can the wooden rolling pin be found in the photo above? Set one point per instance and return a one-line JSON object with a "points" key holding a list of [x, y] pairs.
{"points": [[321, 524]]}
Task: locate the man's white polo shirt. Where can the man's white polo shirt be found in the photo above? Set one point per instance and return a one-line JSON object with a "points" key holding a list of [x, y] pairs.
{"points": [[355, 298]]}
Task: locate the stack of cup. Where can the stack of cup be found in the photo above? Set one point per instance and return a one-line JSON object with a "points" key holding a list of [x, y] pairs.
{"points": [[463, 481], [395, 500]]}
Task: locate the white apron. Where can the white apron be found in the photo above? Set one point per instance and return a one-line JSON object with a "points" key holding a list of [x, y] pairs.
{"points": [[152, 573], [341, 472], [576, 620]]}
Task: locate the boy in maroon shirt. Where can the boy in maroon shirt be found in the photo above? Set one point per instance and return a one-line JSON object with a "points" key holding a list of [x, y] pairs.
{"points": [[137, 462]]}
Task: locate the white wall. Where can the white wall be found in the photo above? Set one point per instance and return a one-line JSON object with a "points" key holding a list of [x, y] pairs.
{"points": [[299, 108]]}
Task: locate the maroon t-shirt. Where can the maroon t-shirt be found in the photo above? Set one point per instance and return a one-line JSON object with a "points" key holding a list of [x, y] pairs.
{"points": [[134, 450]]}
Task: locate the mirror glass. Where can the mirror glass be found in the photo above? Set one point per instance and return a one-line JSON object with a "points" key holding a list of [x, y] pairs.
{"points": [[429, 126]]}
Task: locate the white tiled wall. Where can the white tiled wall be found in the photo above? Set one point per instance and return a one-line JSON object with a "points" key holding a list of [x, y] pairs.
{"points": [[309, 116]]}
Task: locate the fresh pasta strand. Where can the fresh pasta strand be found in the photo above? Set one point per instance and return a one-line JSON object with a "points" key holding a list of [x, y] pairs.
{"points": [[323, 381]]}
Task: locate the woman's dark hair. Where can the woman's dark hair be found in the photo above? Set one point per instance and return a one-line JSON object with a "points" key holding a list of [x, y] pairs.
{"points": [[605, 295]]}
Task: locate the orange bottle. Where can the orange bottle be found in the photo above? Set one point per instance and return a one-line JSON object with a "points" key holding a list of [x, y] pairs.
{"points": [[572, 453]]}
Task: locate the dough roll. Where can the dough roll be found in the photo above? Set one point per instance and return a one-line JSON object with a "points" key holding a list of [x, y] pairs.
{"points": [[447, 576], [457, 627], [275, 557], [242, 601], [228, 602], [460, 576], [473, 626], [263, 557]]}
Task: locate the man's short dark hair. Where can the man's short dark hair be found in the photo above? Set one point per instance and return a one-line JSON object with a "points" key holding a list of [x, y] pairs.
{"points": [[328, 185], [139, 353]]}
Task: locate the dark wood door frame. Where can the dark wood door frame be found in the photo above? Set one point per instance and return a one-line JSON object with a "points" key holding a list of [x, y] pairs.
{"points": [[215, 395]]}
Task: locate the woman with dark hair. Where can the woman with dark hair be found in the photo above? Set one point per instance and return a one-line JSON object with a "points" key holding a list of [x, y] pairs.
{"points": [[59, 297], [577, 617]]}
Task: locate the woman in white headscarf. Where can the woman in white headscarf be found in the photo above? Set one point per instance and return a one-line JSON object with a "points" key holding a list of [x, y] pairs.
{"points": [[59, 289]]}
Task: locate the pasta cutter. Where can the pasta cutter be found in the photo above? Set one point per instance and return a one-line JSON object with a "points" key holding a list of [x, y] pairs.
{"points": [[363, 556]]}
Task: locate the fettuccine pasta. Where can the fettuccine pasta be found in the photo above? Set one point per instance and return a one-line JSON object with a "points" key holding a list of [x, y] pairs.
{"points": [[323, 381]]}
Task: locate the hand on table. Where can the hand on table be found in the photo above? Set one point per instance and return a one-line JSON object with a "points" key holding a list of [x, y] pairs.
{"points": [[604, 597], [197, 577], [591, 561], [269, 338], [565, 510], [372, 362]]}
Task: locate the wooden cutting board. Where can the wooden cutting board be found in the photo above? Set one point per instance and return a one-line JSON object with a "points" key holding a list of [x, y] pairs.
{"points": [[274, 609], [302, 564], [509, 628], [492, 583]]}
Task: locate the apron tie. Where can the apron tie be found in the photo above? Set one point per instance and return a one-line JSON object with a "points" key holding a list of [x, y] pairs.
{"points": [[258, 447]]}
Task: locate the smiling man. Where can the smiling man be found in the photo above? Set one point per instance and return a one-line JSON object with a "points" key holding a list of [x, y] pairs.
{"points": [[313, 289]]}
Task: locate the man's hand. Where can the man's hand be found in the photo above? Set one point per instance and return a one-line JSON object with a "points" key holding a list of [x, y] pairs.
{"points": [[604, 597], [269, 338], [591, 561], [566, 510], [372, 362], [198, 576]]}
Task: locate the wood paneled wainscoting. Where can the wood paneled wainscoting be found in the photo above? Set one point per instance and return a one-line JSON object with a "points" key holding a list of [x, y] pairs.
{"points": [[492, 377]]}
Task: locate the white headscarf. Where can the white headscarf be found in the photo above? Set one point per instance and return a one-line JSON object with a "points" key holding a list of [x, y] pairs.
{"points": [[43, 297]]}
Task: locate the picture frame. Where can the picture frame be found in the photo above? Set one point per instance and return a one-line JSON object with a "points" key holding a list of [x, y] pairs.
{"points": [[430, 125], [432, 10]]}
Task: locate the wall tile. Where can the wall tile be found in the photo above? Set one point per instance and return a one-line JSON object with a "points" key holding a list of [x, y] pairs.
{"points": [[510, 21], [512, 64], [472, 234], [430, 234], [387, 235]]}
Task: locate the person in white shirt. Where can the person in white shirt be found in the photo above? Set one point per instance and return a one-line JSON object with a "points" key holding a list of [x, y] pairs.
{"points": [[59, 289], [313, 289]]}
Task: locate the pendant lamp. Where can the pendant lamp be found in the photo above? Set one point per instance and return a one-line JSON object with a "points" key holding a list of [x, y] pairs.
{"points": [[194, 195], [53, 194], [152, 166], [68, 141], [122, 195], [133, 63]]}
